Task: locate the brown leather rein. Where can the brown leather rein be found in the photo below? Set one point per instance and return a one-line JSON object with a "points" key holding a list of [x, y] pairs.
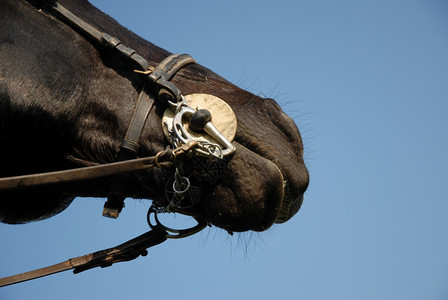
{"points": [[158, 79], [162, 159]]}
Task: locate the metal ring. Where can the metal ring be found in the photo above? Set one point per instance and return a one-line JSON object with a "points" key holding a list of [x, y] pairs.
{"points": [[156, 160], [175, 233], [181, 192]]}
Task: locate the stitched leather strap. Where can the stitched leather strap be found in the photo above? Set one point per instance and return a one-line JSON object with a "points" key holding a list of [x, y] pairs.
{"points": [[130, 145], [165, 159], [99, 37], [104, 258], [160, 76], [163, 73], [142, 109]]}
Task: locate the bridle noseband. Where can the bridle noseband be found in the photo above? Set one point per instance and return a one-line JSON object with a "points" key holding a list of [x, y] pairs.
{"points": [[159, 78], [157, 88]]}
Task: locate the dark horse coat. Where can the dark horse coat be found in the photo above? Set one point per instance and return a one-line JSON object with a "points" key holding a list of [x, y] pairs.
{"points": [[66, 102]]}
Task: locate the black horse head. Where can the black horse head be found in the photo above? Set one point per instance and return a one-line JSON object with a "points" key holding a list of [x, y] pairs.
{"points": [[66, 102]]}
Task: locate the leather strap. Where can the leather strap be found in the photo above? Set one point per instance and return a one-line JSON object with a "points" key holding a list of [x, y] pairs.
{"points": [[104, 258], [145, 103], [99, 37], [163, 73], [160, 76], [164, 158], [130, 145]]}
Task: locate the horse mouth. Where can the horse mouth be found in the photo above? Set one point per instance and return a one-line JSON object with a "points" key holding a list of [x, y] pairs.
{"points": [[289, 205], [253, 193]]}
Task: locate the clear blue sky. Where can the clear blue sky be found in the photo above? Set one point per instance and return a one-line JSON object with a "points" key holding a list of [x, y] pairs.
{"points": [[367, 83]]}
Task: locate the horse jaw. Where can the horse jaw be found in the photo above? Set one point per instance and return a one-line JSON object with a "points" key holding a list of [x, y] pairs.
{"points": [[247, 196]]}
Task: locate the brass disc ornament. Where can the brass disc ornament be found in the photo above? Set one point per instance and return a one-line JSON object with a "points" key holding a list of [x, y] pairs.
{"points": [[222, 117]]}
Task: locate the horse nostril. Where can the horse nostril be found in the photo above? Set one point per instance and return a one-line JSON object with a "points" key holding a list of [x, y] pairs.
{"points": [[282, 121]]}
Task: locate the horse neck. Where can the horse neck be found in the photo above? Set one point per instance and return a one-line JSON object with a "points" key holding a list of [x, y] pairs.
{"points": [[63, 101]]}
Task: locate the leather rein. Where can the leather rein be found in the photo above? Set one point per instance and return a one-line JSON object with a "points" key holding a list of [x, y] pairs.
{"points": [[157, 79]]}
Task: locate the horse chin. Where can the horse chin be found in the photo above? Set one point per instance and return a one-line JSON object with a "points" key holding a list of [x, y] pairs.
{"points": [[249, 195]]}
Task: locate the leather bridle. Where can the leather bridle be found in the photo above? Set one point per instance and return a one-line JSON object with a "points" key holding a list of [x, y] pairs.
{"points": [[158, 81]]}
